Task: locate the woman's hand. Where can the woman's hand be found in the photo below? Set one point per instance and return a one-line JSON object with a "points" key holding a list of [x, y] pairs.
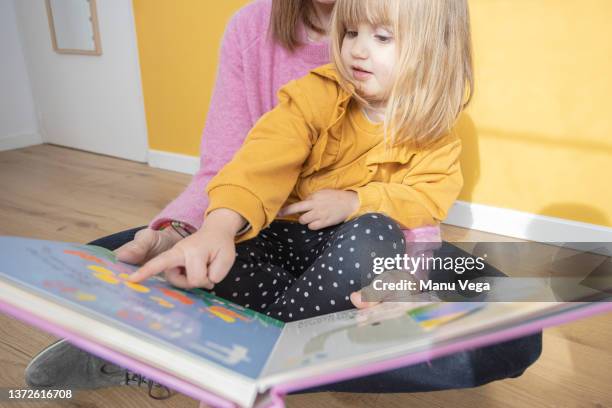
{"points": [[147, 244], [200, 260], [324, 208]]}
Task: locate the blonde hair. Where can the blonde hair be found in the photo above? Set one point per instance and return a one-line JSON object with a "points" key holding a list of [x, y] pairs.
{"points": [[433, 78], [286, 15]]}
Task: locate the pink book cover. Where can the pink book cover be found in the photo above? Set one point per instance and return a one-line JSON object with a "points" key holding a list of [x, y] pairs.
{"points": [[266, 357]]}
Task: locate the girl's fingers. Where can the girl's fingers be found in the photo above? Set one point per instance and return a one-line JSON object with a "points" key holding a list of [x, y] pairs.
{"points": [[177, 277], [196, 269], [164, 261], [358, 303], [308, 217], [316, 225], [220, 265], [299, 207]]}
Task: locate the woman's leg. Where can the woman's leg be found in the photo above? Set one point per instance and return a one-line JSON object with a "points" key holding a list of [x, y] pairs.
{"points": [[466, 369]]}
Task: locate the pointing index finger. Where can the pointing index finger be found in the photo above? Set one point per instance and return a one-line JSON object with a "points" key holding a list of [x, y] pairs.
{"points": [[160, 263]]}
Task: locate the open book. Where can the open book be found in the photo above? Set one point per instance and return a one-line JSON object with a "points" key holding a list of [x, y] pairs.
{"points": [[224, 354]]}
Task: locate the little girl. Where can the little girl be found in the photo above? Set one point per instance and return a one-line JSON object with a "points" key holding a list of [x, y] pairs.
{"points": [[355, 151]]}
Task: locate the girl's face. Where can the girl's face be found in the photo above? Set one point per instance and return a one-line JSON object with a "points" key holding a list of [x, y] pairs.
{"points": [[368, 54]]}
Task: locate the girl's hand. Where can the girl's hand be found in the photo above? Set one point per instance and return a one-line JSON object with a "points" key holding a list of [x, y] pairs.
{"points": [[324, 208], [147, 244], [369, 296], [357, 301], [200, 260]]}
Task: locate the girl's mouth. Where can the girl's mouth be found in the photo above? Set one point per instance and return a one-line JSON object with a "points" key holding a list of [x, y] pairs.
{"points": [[360, 74]]}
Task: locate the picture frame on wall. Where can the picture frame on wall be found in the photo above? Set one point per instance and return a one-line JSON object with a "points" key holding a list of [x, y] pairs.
{"points": [[74, 28]]}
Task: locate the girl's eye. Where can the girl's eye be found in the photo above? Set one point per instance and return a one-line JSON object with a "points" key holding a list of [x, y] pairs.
{"points": [[383, 38], [351, 33]]}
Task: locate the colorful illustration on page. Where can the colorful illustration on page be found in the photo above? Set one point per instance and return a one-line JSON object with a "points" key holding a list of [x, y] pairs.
{"points": [[436, 314]]}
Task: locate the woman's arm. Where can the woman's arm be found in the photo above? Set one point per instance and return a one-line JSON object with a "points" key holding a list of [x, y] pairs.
{"points": [[227, 124]]}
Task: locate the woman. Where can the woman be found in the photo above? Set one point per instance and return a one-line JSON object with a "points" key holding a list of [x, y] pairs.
{"points": [[254, 63]]}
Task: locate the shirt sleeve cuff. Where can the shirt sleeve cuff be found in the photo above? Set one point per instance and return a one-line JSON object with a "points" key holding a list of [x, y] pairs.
{"points": [[369, 201], [242, 201]]}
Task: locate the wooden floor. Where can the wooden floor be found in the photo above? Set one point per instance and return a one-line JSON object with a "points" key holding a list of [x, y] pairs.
{"points": [[56, 193]]}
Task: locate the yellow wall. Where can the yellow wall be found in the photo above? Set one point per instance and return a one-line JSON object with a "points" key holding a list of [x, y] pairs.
{"points": [[178, 45], [537, 136]]}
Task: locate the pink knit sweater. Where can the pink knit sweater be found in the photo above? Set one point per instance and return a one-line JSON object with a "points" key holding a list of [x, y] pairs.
{"points": [[252, 68]]}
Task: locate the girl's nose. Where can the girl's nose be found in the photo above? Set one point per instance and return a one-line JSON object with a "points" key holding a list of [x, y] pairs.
{"points": [[360, 49]]}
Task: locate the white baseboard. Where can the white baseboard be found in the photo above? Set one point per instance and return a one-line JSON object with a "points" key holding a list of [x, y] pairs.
{"points": [[18, 141], [523, 225], [502, 221], [181, 163]]}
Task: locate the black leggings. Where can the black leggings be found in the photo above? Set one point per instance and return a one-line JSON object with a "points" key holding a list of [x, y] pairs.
{"points": [[290, 272]]}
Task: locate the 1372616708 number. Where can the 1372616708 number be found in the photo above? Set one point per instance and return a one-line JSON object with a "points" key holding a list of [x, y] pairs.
{"points": [[29, 394]]}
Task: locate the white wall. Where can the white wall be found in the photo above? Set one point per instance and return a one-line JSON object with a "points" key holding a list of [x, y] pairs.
{"points": [[92, 103], [18, 126]]}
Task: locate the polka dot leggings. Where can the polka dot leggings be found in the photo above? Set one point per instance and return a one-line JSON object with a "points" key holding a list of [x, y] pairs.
{"points": [[290, 272]]}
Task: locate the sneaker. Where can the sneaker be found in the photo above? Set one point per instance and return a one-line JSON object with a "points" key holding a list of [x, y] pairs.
{"points": [[64, 366]]}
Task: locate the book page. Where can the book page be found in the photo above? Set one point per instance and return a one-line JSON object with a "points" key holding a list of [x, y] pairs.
{"points": [[90, 280], [355, 337]]}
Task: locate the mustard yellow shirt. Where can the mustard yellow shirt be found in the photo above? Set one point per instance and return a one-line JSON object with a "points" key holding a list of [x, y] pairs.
{"points": [[318, 137]]}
